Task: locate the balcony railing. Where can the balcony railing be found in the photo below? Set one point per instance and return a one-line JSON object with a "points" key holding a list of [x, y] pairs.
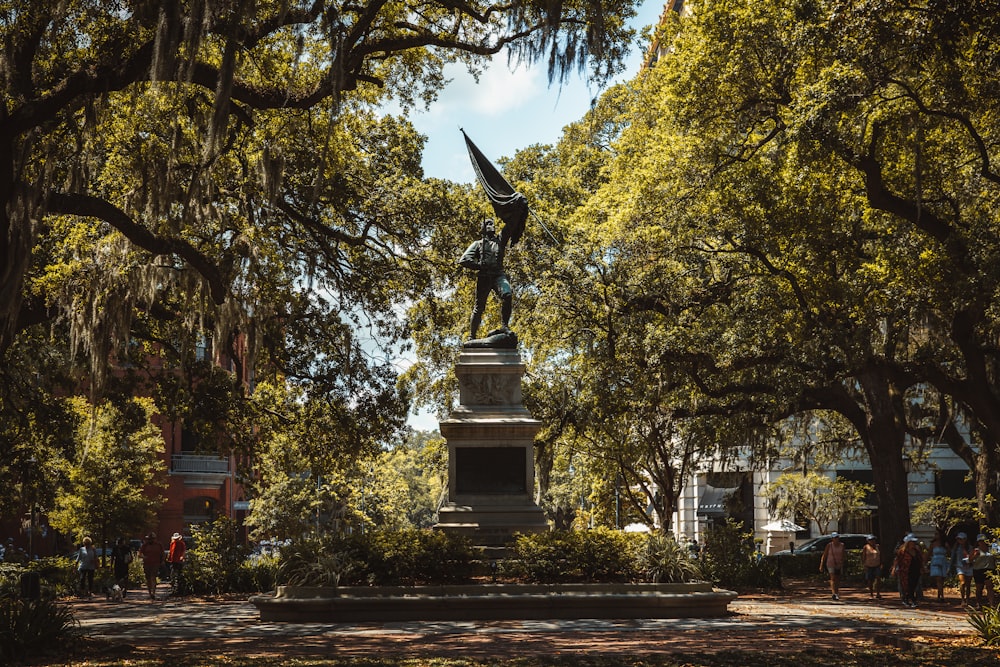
{"points": [[198, 464]]}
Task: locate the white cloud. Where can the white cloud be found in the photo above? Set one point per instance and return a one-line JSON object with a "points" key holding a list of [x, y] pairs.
{"points": [[505, 111], [498, 91], [501, 90]]}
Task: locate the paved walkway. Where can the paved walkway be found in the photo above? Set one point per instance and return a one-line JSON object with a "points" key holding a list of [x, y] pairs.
{"points": [[757, 622]]}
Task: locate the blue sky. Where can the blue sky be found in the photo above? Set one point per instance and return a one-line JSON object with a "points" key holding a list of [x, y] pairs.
{"points": [[507, 111]]}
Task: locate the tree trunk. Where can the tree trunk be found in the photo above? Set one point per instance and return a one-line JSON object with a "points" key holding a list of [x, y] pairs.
{"points": [[15, 248], [886, 454], [985, 473], [884, 436], [877, 415], [544, 461], [978, 391], [983, 465]]}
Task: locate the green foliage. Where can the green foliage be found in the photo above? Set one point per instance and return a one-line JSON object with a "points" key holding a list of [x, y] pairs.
{"points": [[314, 460], [406, 484], [315, 563], [943, 512], [379, 558], [258, 573], [574, 556], [414, 557], [817, 497], [34, 628], [411, 557], [216, 563], [729, 558], [116, 467], [36, 424], [58, 575], [789, 220], [801, 565], [986, 623], [662, 559]]}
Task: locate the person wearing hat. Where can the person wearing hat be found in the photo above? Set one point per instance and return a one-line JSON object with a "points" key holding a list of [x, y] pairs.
{"points": [[940, 563], [907, 567], [871, 560], [983, 562], [175, 557], [961, 561], [833, 560], [151, 553]]}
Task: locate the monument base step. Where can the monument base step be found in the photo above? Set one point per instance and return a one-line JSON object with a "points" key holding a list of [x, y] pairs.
{"points": [[491, 526]]}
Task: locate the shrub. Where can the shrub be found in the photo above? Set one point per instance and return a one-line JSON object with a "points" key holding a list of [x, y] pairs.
{"points": [[541, 557], [662, 560], [730, 559], [29, 628], [314, 563], [10, 576], [58, 576], [257, 573], [381, 558], [214, 565], [410, 557], [574, 556], [986, 622]]}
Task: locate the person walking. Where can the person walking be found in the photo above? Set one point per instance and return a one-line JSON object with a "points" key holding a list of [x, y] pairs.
{"points": [[86, 558], [961, 561], [907, 567], [871, 560], [121, 558], [940, 563], [151, 553], [175, 558], [983, 563], [833, 561]]}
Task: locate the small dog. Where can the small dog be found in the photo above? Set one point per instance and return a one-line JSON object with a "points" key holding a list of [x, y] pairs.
{"points": [[116, 593]]}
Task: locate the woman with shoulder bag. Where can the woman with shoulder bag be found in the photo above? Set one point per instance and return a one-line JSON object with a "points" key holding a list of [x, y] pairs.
{"points": [[983, 564]]}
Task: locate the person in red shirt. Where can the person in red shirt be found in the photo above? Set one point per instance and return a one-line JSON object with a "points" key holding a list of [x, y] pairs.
{"points": [[151, 553], [176, 559]]}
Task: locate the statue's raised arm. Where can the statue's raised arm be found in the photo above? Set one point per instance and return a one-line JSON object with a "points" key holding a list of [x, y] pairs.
{"points": [[486, 255]]}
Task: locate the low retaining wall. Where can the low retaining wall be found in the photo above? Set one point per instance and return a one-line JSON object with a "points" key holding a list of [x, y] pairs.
{"points": [[492, 602]]}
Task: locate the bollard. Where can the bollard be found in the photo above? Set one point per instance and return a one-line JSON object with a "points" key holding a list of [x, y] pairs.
{"points": [[31, 586]]}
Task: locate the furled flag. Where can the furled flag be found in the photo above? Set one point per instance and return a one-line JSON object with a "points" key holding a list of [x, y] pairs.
{"points": [[509, 205]]}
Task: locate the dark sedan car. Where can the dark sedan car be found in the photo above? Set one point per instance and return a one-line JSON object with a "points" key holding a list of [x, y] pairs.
{"points": [[818, 544]]}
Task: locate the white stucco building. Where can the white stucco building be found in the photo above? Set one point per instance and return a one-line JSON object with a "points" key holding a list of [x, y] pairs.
{"points": [[738, 491]]}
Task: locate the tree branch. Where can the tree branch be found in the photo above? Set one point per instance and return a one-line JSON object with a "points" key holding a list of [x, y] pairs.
{"points": [[94, 207]]}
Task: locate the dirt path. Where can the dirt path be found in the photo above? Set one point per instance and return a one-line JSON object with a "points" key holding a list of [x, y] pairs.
{"points": [[803, 616]]}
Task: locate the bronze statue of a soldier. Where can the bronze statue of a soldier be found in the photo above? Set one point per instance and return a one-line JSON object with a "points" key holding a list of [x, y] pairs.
{"points": [[485, 255]]}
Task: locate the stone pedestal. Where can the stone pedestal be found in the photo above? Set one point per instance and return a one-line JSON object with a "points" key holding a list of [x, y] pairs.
{"points": [[491, 472]]}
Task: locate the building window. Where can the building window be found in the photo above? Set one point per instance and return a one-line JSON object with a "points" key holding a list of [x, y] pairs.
{"points": [[954, 484], [862, 522], [199, 510], [189, 440], [862, 477]]}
